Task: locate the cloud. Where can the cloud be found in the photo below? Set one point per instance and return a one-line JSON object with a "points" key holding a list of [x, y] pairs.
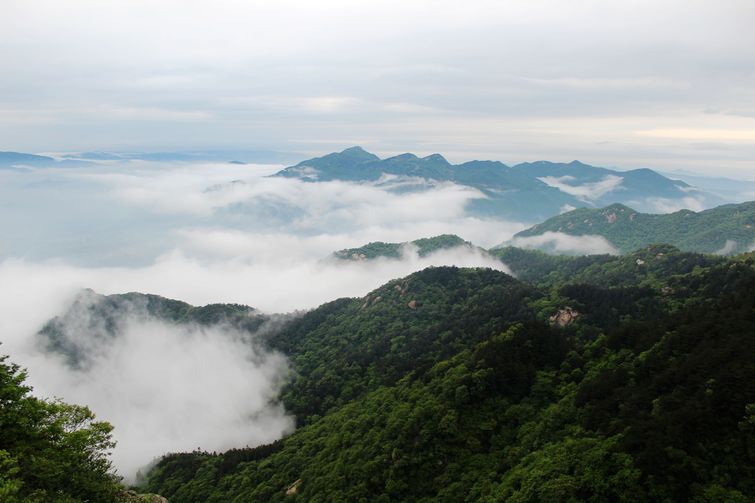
{"points": [[587, 191], [558, 242], [202, 233], [665, 205], [728, 248], [170, 388], [566, 209], [173, 388], [726, 135], [292, 75]]}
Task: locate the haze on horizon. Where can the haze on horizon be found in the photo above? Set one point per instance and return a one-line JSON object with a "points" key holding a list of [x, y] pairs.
{"points": [[628, 84]]}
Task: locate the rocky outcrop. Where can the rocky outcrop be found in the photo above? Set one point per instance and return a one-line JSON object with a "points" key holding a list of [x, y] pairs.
{"points": [[134, 497], [564, 317], [293, 488]]}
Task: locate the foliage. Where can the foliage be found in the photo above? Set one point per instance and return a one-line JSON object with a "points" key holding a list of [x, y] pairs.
{"points": [[472, 395], [424, 247], [50, 451], [725, 229], [104, 317]]}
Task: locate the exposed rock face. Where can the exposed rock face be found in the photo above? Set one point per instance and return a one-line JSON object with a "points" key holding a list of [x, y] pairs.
{"points": [[564, 317], [611, 218], [134, 497], [412, 304], [293, 488]]}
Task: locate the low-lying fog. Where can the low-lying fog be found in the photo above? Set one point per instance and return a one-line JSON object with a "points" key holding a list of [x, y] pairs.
{"points": [[201, 233]]}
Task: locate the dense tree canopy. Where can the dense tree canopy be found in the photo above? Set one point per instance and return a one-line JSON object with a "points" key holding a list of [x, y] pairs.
{"points": [[463, 385], [50, 451]]}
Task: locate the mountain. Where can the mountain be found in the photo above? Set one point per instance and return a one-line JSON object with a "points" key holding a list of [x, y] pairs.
{"points": [[21, 160], [92, 319], [242, 156], [423, 246], [598, 185], [598, 379], [525, 192], [11, 159], [725, 229]]}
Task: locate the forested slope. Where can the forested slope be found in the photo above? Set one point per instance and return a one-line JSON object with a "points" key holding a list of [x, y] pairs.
{"points": [[598, 379], [725, 229]]}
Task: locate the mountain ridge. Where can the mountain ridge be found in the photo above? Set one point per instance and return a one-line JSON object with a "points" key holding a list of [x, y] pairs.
{"points": [[525, 191], [725, 229]]}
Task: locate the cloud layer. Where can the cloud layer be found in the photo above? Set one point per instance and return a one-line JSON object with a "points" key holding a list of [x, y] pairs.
{"points": [[558, 242], [674, 91], [202, 233]]}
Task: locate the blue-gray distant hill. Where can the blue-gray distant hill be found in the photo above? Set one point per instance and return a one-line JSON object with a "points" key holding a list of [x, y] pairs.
{"points": [[725, 230], [22, 160], [525, 192]]}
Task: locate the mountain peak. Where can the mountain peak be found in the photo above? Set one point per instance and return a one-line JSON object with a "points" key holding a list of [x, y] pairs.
{"points": [[357, 152], [403, 157], [435, 158]]}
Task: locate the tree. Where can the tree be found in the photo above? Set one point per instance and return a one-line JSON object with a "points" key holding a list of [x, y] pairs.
{"points": [[50, 450]]}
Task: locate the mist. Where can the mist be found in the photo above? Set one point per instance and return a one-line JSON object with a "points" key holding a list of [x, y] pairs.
{"points": [[200, 233], [587, 191], [560, 243]]}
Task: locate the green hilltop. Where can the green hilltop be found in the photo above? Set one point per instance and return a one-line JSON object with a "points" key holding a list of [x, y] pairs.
{"points": [[725, 229], [424, 247]]}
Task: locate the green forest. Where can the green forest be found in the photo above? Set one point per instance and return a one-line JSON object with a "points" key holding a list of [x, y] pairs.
{"points": [[424, 247], [52, 451], [725, 230], [469, 385]]}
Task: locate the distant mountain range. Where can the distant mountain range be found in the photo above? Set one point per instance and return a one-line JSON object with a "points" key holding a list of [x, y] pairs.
{"points": [[725, 229], [525, 192], [19, 160]]}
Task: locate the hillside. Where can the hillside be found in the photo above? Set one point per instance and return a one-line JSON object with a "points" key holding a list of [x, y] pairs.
{"points": [[92, 317], [526, 192], [423, 246], [54, 451], [726, 229], [602, 379]]}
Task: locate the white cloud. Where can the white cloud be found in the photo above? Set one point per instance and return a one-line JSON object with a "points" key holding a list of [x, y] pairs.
{"points": [[170, 388], [665, 205], [296, 74], [558, 242], [205, 233], [566, 209], [587, 191], [728, 248], [727, 135]]}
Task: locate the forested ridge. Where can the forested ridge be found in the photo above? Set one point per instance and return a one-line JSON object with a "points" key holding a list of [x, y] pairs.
{"points": [[726, 229], [588, 378]]}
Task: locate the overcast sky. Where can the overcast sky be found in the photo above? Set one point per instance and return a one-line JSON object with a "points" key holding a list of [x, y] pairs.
{"points": [[667, 84]]}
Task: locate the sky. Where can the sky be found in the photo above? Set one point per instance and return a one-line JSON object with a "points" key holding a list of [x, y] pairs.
{"points": [[668, 85], [635, 83]]}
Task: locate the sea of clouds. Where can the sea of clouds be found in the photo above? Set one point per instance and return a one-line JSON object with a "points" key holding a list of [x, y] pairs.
{"points": [[201, 233]]}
